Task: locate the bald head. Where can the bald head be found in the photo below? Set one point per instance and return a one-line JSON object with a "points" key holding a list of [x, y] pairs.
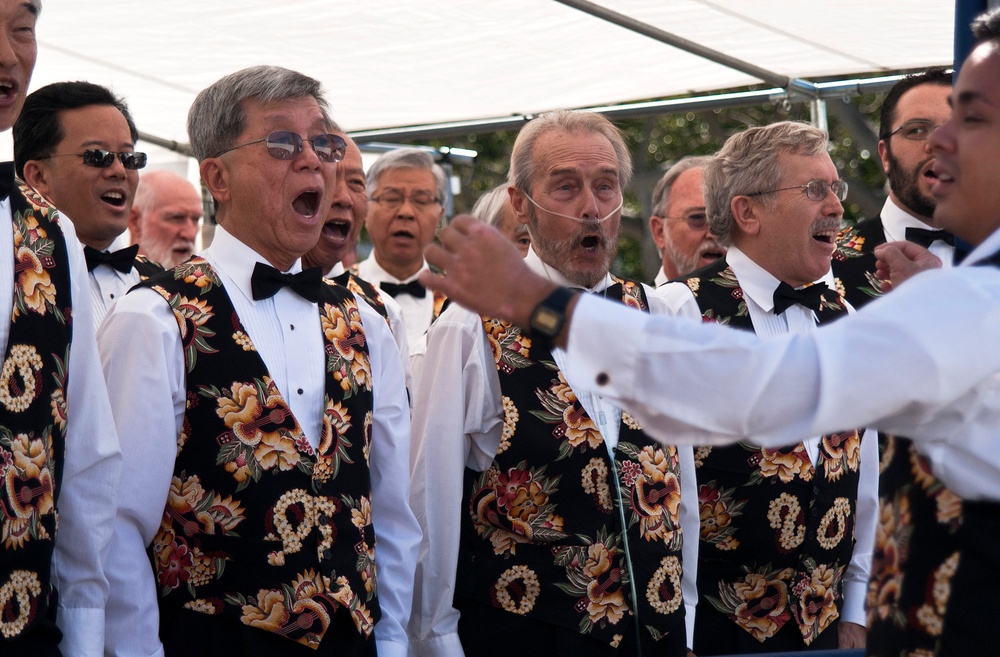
{"points": [[165, 217]]}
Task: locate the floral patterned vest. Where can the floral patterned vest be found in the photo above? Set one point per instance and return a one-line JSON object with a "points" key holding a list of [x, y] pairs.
{"points": [[853, 263], [543, 536], [259, 526], [365, 290], [146, 268], [777, 532], [32, 409], [943, 604]]}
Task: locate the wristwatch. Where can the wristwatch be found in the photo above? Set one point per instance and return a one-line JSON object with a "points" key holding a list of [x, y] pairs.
{"points": [[549, 317]]}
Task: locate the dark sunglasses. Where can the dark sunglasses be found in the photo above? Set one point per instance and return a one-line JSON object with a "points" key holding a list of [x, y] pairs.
{"points": [[286, 145], [102, 159]]}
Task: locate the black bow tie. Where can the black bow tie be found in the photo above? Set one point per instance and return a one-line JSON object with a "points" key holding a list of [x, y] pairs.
{"points": [[121, 260], [343, 279], [413, 288], [925, 237], [785, 296], [266, 281]]}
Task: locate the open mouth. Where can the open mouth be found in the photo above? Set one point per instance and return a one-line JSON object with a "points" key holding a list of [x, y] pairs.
{"points": [[590, 242], [337, 229], [306, 203], [711, 255], [403, 234], [114, 199], [7, 89], [825, 236]]}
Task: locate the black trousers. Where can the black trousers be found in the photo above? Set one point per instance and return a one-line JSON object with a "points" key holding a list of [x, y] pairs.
{"points": [[187, 633]]}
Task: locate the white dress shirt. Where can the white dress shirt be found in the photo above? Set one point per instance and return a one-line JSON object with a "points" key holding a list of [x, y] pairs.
{"points": [[923, 362], [418, 313], [141, 352], [895, 221], [758, 292], [396, 324], [91, 461], [457, 423], [107, 285], [661, 278]]}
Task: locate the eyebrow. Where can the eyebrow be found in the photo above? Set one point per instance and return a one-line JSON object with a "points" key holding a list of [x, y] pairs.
{"points": [[968, 97]]}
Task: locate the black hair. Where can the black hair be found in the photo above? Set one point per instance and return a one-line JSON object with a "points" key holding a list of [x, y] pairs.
{"points": [[936, 75], [38, 130]]}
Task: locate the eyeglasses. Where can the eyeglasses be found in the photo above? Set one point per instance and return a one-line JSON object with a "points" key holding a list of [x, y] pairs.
{"points": [[286, 145], [815, 189], [102, 159], [915, 130], [419, 200], [695, 220]]}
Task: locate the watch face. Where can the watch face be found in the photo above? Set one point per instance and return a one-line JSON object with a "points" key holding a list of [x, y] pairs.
{"points": [[546, 321]]}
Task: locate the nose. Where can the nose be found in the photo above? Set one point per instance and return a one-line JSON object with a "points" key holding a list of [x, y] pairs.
{"points": [[341, 193], [307, 158], [189, 229], [941, 138], [590, 208]]}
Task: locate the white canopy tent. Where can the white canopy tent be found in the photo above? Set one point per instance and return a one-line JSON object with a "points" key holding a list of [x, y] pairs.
{"points": [[392, 63]]}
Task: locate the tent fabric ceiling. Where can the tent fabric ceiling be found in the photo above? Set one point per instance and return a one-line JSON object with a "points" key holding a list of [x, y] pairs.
{"points": [[390, 63]]}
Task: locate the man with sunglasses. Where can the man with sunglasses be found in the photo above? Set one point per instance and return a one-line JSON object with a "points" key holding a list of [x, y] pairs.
{"points": [[552, 524], [406, 190], [773, 196], [911, 110], [59, 454], [679, 224], [74, 144], [263, 414]]}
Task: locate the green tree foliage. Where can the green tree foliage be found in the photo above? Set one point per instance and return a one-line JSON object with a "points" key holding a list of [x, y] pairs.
{"points": [[658, 141]]}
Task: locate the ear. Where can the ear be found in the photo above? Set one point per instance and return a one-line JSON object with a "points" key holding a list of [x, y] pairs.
{"points": [[745, 213], [134, 230], [519, 201], [39, 177], [215, 175], [883, 154], [657, 226]]}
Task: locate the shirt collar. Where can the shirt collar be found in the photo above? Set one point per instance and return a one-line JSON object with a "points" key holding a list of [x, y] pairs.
{"points": [[548, 271], [895, 221], [380, 274], [238, 260], [757, 283], [989, 246]]}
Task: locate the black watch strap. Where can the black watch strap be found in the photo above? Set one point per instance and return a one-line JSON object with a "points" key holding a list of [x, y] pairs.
{"points": [[549, 317]]}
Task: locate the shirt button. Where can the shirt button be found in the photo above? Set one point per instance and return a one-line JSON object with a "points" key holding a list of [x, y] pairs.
{"points": [[299, 391], [291, 326], [603, 379], [112, 295]]}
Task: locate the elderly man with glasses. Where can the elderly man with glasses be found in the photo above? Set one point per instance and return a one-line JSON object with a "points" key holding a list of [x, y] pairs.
{"points": [[262, 413], [786, 534], [679, 224], [74, 144], [912, 109], [406, 190]]}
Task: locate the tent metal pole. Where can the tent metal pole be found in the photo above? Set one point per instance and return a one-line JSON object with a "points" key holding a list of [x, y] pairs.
{"points": [[656, 33]]}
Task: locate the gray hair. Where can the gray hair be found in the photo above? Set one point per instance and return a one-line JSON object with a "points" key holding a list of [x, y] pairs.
{"points": [[661, 193], [408, 158], [522, 168], [748, 163], [489, 207], [218, 115]]}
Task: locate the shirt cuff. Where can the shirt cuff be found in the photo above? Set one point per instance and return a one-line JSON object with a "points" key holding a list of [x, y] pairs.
{"points": [[443, 645], [854, 603], [592, 366], [83, 631]]}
